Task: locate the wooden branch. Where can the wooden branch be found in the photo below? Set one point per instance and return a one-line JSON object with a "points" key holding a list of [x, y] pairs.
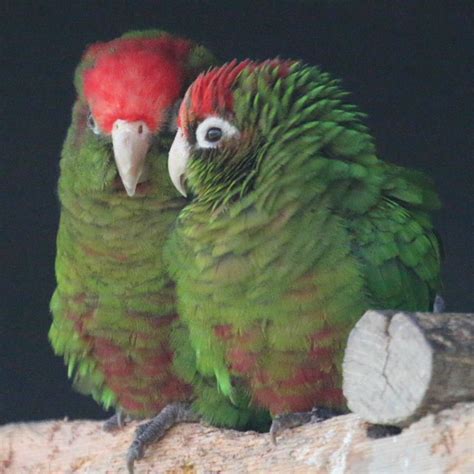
{"points": [[439, 443], [399, 366]]}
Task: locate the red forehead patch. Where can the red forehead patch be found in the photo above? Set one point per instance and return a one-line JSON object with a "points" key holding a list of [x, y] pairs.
{"points": [[211, 92], [134, 79]]}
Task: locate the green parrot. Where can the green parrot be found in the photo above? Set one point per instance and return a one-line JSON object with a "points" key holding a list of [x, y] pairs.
{"points": [[296, 227], [114, 308]]}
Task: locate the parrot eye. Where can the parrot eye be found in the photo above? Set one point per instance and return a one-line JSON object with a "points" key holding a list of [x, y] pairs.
{"points": [[211, 131], [91, 123], [213, 134]]}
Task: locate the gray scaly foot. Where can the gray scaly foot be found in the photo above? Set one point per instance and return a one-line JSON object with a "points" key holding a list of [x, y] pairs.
{"points": [[292, 420], [156, 428]]}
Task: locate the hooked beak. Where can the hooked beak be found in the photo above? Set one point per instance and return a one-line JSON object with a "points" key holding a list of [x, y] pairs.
{"points": [[130, 141], [177, 161]]}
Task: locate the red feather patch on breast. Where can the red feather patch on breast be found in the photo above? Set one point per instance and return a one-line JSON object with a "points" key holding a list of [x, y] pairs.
{"points": [[134, 79]]}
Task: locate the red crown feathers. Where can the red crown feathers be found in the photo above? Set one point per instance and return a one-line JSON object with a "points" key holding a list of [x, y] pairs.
{"points": [[211, 93], [134, 79]]}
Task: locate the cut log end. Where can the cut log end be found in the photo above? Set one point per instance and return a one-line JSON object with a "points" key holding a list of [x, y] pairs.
{"points": [[387, 368], [399, 366]]}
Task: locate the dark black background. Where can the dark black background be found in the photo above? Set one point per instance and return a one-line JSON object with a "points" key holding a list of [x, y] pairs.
{"points": [[407, 63]]}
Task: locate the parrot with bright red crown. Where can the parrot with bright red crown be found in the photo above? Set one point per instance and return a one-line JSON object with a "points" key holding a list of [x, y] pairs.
{"points": [[114, 308]]}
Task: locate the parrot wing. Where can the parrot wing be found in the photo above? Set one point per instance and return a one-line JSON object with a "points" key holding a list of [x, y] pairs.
{"points": [[395, 241]]}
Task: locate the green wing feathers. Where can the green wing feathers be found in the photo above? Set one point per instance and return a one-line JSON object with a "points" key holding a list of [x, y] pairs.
{"points": [[397, 245]]}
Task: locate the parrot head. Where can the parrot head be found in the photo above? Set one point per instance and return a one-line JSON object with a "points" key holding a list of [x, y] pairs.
{"points": [[129, 90], [220, 136]]}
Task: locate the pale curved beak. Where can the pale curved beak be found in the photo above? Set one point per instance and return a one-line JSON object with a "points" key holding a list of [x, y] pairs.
{"points": [[131, 141], [178, 158]]}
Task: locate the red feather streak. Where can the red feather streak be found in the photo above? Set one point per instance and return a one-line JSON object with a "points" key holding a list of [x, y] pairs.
{"points": [[212, 94]]}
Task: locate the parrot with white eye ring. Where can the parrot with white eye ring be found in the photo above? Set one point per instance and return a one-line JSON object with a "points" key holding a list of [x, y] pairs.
{"points": [[295, 228]]}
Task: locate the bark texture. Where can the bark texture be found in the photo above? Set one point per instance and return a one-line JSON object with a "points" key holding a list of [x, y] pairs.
{"points": [[400, 366], [440, 443]]}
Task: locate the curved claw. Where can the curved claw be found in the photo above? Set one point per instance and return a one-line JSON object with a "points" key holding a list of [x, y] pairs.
{"points": [[439, 305], [115, 422], [135, 453], [274, 430], [288, 420]]}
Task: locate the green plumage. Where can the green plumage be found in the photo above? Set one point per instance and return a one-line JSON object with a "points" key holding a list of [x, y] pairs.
{"points": [[114, 306], [296, 228]]}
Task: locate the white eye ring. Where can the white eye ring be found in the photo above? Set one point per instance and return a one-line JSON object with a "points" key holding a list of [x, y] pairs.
{"points": [[226, 128]]}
